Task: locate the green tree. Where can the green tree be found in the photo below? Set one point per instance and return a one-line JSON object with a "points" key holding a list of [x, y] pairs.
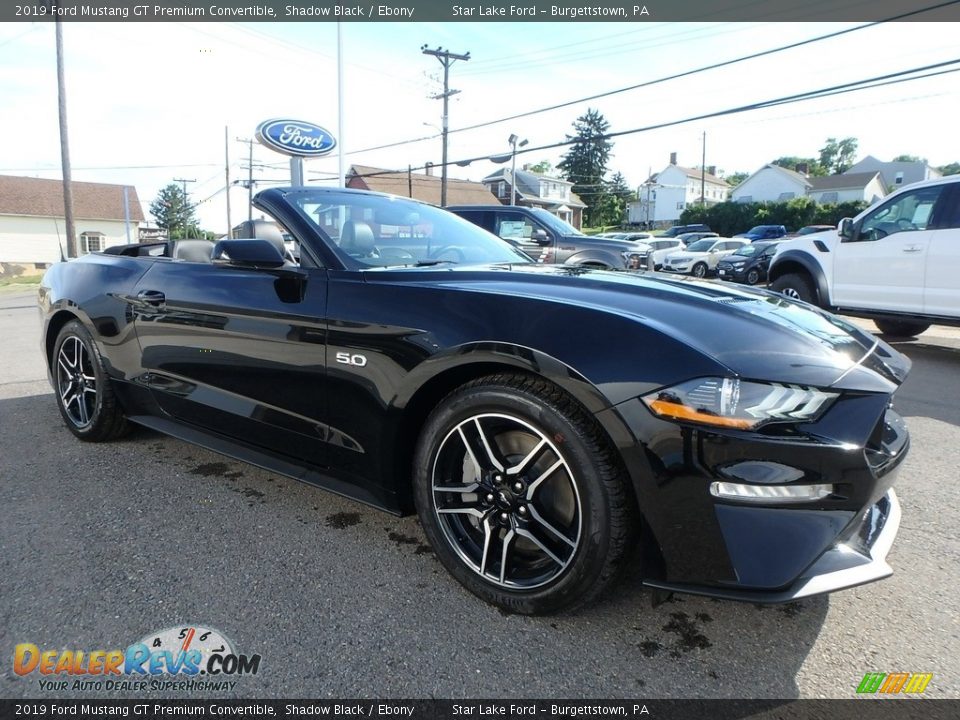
{"points": [[544, 167], [950, 169], [619, 188], [174, 212], [585, 163], [790, 162], [909, 158], [734, 179], [837, 155]]}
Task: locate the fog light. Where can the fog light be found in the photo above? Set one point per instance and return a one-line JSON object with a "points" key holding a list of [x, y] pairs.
{"points": [[770, 493]]}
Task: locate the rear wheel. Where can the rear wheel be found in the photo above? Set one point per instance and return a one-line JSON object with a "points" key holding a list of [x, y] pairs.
{"points": [[901, 328], [796, 287], [84, 396], [521, 496]]}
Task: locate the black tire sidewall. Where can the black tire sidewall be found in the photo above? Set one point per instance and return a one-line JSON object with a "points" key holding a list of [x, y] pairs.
{"points": [[588, 560]]}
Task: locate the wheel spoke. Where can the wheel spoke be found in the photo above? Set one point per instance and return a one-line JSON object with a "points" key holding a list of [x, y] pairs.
{"points": [[539, 518], [536, 541], [487, 539], [77, 353], [473, 457], [461, 511], [82, 406], [521, 466], [546, 473], [507, 539], [62, 362], [486, 446], [63, 395], [457, 488]]}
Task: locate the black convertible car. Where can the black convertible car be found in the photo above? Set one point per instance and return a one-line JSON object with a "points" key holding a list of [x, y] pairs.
{"points": [[542, 421]]}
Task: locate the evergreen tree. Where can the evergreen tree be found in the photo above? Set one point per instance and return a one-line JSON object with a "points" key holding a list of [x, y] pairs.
{"points": [[585, 163], [174, 213]]}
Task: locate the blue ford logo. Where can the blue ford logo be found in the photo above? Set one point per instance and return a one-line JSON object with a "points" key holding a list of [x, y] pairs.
{"points": [[295, 137]]}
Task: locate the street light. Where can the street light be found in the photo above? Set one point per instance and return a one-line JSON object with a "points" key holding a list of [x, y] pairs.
{"points": [[513, 167]]}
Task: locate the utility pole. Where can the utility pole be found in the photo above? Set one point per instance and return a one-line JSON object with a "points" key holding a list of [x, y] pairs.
{"points": [[226, 159], [446, 59], [65, 146], [183, 213], [249, 142], [703, 172]]}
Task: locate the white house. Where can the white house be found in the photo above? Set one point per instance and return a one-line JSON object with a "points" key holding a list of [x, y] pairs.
{"points": [[535, 190], [668, 193], [848, 187], [771, 183], [33, 226]]}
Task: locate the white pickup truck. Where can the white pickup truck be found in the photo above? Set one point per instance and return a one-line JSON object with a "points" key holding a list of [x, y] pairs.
{"points": [[897, 262]]}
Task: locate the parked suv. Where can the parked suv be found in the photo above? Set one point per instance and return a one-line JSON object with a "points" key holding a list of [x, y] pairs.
{"points": [[681, 229], [700, 258], [748, 264], [548, 239], [763, 232], [897, 262]]}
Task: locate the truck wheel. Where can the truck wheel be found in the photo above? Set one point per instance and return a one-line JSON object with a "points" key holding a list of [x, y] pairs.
{"points": [[796, 287], [900, 328]]}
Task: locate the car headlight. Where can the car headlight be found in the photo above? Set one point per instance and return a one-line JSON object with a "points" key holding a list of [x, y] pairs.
{"points": [[733, 403]]}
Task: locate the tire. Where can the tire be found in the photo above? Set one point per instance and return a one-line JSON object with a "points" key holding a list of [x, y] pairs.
{"points": [[85, 397], [699, 270], [551, 521], [796, 287], [753, 277], [901, 328]]}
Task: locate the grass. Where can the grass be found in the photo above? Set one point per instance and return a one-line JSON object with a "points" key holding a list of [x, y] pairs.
{"points": [[21, 282]]}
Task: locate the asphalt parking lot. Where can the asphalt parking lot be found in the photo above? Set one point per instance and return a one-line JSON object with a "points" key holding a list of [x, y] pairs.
{"points": [[101, 545]]}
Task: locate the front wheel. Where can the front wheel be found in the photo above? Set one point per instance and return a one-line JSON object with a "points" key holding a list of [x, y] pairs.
{"points": [[901, 328], [84, 396], [795, 287], [753, 277], [521, 496], [699, 270]]}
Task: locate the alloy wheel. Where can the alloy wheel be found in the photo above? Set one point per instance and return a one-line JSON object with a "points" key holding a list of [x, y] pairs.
{"points": [[76, 382], [507, 501]]}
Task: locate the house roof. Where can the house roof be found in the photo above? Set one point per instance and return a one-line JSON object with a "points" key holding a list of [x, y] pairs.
{"points": [[528, 187], [424, 187], [42, 197], [696, 173], [847, 181]]}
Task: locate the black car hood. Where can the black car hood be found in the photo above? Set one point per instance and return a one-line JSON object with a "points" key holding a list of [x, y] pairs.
{"points": [[755, 333]]}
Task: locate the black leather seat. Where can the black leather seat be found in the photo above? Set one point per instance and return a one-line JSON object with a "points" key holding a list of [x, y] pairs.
{"points": [[193, 250], [357, 239]]}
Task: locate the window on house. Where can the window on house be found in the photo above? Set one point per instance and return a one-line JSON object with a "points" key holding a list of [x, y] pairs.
{"points": [[680, 205], [787, 196], [501, 189], [898, 180], [829, 197], [91, 242]]}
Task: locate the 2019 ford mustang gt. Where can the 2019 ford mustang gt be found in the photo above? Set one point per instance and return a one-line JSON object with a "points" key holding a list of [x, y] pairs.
{"points": [[540, 420]]}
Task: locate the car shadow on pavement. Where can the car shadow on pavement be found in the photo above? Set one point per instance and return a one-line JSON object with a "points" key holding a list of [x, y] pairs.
{"points": [[930, 389], [339, 599]]}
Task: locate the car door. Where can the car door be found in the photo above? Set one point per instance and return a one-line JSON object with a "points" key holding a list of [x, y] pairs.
{"points": [[239, 351], [883, 265], [519, 228], [942, 287]]}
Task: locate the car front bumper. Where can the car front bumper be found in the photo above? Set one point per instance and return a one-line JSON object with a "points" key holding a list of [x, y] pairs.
{"points": [[769, 551]]}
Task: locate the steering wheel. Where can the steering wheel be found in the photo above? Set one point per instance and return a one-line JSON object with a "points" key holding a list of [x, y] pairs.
{"points": [[905, 224], [458, 255]]}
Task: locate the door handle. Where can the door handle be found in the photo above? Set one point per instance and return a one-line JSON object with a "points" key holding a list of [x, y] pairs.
{"points": [[152, 297], [913, 249]]}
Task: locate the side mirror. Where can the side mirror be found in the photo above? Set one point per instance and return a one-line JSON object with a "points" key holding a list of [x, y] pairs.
{"points": [[846, 229], [540, 236], [248, 254]]}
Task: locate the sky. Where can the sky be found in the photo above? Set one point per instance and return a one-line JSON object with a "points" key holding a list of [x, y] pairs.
{"points": [[149, 102]]}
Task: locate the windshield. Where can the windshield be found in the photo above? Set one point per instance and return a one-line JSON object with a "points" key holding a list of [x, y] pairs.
{"points": [[750, 250], [758, 230], [369, 230], [554, 223], [701, 245]]}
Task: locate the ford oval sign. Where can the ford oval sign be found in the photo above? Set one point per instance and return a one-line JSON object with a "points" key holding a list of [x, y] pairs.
{"points": [[295, 137]]}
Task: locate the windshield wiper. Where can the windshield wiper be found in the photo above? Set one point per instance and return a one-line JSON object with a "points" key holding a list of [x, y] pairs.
{"points": [[429, 263]]}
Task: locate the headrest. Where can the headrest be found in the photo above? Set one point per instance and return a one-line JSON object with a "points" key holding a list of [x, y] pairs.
{"points": [[357, 237]]}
